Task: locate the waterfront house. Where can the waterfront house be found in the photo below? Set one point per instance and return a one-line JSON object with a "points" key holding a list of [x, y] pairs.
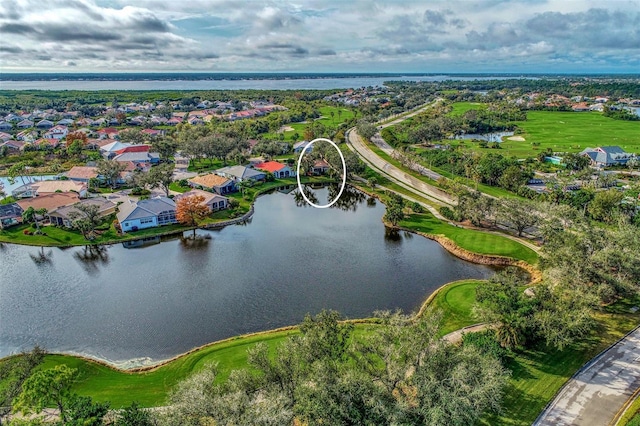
{"points": [[320, 167], [213, 201], [144, 214], [278, 169], [212, 182], [607, 156], [51, 186], [49, 202], [241, 173], [61, 215], [10, 215]]}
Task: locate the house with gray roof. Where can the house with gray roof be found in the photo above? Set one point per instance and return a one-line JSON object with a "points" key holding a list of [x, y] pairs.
{"points": [[135, 215], [241, 173], [10, 215], [138, 157], [607, 156]]}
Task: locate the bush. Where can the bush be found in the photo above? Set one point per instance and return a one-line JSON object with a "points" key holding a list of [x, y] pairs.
{"points": [[417, 207], [27, 232], [486, 342], [448, 213], [233, 203]]}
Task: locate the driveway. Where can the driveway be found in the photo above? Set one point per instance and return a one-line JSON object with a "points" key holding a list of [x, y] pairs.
{"points": [[596, 393]]}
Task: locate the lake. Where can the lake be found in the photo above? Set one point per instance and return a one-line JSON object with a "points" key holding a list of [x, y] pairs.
{"points": [[133, 306], [239, 84]]}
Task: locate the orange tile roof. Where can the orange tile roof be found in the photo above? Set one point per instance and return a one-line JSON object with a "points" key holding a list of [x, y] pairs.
{"points": [[82, 172], [270, 166]]}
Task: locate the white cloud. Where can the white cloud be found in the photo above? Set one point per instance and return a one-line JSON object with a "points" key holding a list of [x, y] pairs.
{"points": [[319, 35]]}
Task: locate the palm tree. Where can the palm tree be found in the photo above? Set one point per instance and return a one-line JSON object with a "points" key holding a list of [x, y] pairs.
{"points": [[31, 215]]}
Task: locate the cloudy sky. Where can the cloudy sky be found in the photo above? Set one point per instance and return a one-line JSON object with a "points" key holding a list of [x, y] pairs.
{"points": [[320, 36]]}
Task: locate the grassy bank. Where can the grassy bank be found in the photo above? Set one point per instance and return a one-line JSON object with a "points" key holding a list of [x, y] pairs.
{"points": [[470, 239], [151, 388]]}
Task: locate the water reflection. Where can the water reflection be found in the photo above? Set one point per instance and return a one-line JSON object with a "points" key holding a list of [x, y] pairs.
{"points": [[392, 236], [199, 242], [91, 258], [348, 201], [42, 257], [372, 202]]}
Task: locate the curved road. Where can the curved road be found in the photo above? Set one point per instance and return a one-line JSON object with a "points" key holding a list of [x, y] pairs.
{"points": [[594, 395]]}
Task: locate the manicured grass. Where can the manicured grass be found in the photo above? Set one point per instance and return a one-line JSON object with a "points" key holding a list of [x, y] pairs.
{"points": [[327, 120], [539, 374], [175, 186], [460, 108], [456, 300], [570, 132], [470, 239]]}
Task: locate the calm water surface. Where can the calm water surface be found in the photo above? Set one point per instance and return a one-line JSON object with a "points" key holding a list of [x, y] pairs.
{"points": [[155, 302]]}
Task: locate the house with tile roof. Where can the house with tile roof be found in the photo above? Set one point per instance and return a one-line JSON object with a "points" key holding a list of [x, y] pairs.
{"points": [[212, 201], [63, 216], [213, 182], [157, 211], [57, 132], [82, 173], [279, 170], [49, 202]]}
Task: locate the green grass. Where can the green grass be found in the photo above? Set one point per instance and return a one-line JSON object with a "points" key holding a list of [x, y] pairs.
{"points": [[455, 300], [470, 239], [460, 108], [539, 374], [327, 120], [570, 132], [631, 416]]}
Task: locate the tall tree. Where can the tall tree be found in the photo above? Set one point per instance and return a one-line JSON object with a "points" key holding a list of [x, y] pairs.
{"points": [[161, 177], [47, 387], [31, 215], [86, 218], [191, 210], [110, 170]]}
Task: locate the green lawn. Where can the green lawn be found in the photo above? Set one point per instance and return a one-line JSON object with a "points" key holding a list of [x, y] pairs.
{"points": [[455, 300], [571, 132], [460, 108], [325, 111], [631, 417], [539, 374], [470, 239]]}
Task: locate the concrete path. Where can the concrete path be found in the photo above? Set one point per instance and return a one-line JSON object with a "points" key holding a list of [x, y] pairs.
{"points": [[600, 389]]}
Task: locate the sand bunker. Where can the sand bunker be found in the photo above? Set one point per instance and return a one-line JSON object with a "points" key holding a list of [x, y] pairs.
{"points": [[516, 138], [285, 129]]}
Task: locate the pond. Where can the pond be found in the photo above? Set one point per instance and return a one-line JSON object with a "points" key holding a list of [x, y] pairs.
{"points": [[131, 306], [489, 137]]}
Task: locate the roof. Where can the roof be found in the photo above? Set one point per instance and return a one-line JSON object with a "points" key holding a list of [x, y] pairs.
{"points": [[82, 172], [10, 210], [321, 163], [270, 166], [114, 146], [209, 181], [241, 172], [301, 144], [208, 196], [136, 156], [102, 203], [47, 186], [144, 208], [134, 148], [49, 201]]}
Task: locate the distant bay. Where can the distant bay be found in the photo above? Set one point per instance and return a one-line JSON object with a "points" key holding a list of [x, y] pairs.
{"points": [[213, 82]]}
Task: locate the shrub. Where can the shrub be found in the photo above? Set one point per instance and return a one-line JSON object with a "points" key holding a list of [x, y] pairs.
{"points": [[417, 207], [233, 203], [27, 232], [448, 213], [486, 342]]}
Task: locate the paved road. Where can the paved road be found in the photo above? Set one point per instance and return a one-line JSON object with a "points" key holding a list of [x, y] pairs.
{"points": [[600, 389]]}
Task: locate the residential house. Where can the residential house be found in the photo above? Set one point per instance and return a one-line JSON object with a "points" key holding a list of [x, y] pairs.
{"points": [[13, 118], [65, 122], [111, 149], [82, 174], [582, 106], [10, 215], [27, 135], [25, 124], [5, 136], [138, 157], [278, 169], [47, 143], [49, 202], [149, 213], [83, 122], [108, 133], [320, 167], [213, 182], [51, 186], [607, 156], [152, 132], [298, 147], [213, 201], [13, 147], [57, 132], [241, 173], [5, 126], [62, 216], [181, 162], [45, 124], [174, 121]]}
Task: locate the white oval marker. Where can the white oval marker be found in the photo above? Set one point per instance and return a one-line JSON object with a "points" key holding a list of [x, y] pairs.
{"points": [[344, 173]]}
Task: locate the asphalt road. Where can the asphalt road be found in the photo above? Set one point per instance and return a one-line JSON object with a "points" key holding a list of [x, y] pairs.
{"points": [[595, 395]]}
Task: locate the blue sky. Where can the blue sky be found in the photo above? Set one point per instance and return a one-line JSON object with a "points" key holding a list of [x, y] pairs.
{"points": [[320, 36]]}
